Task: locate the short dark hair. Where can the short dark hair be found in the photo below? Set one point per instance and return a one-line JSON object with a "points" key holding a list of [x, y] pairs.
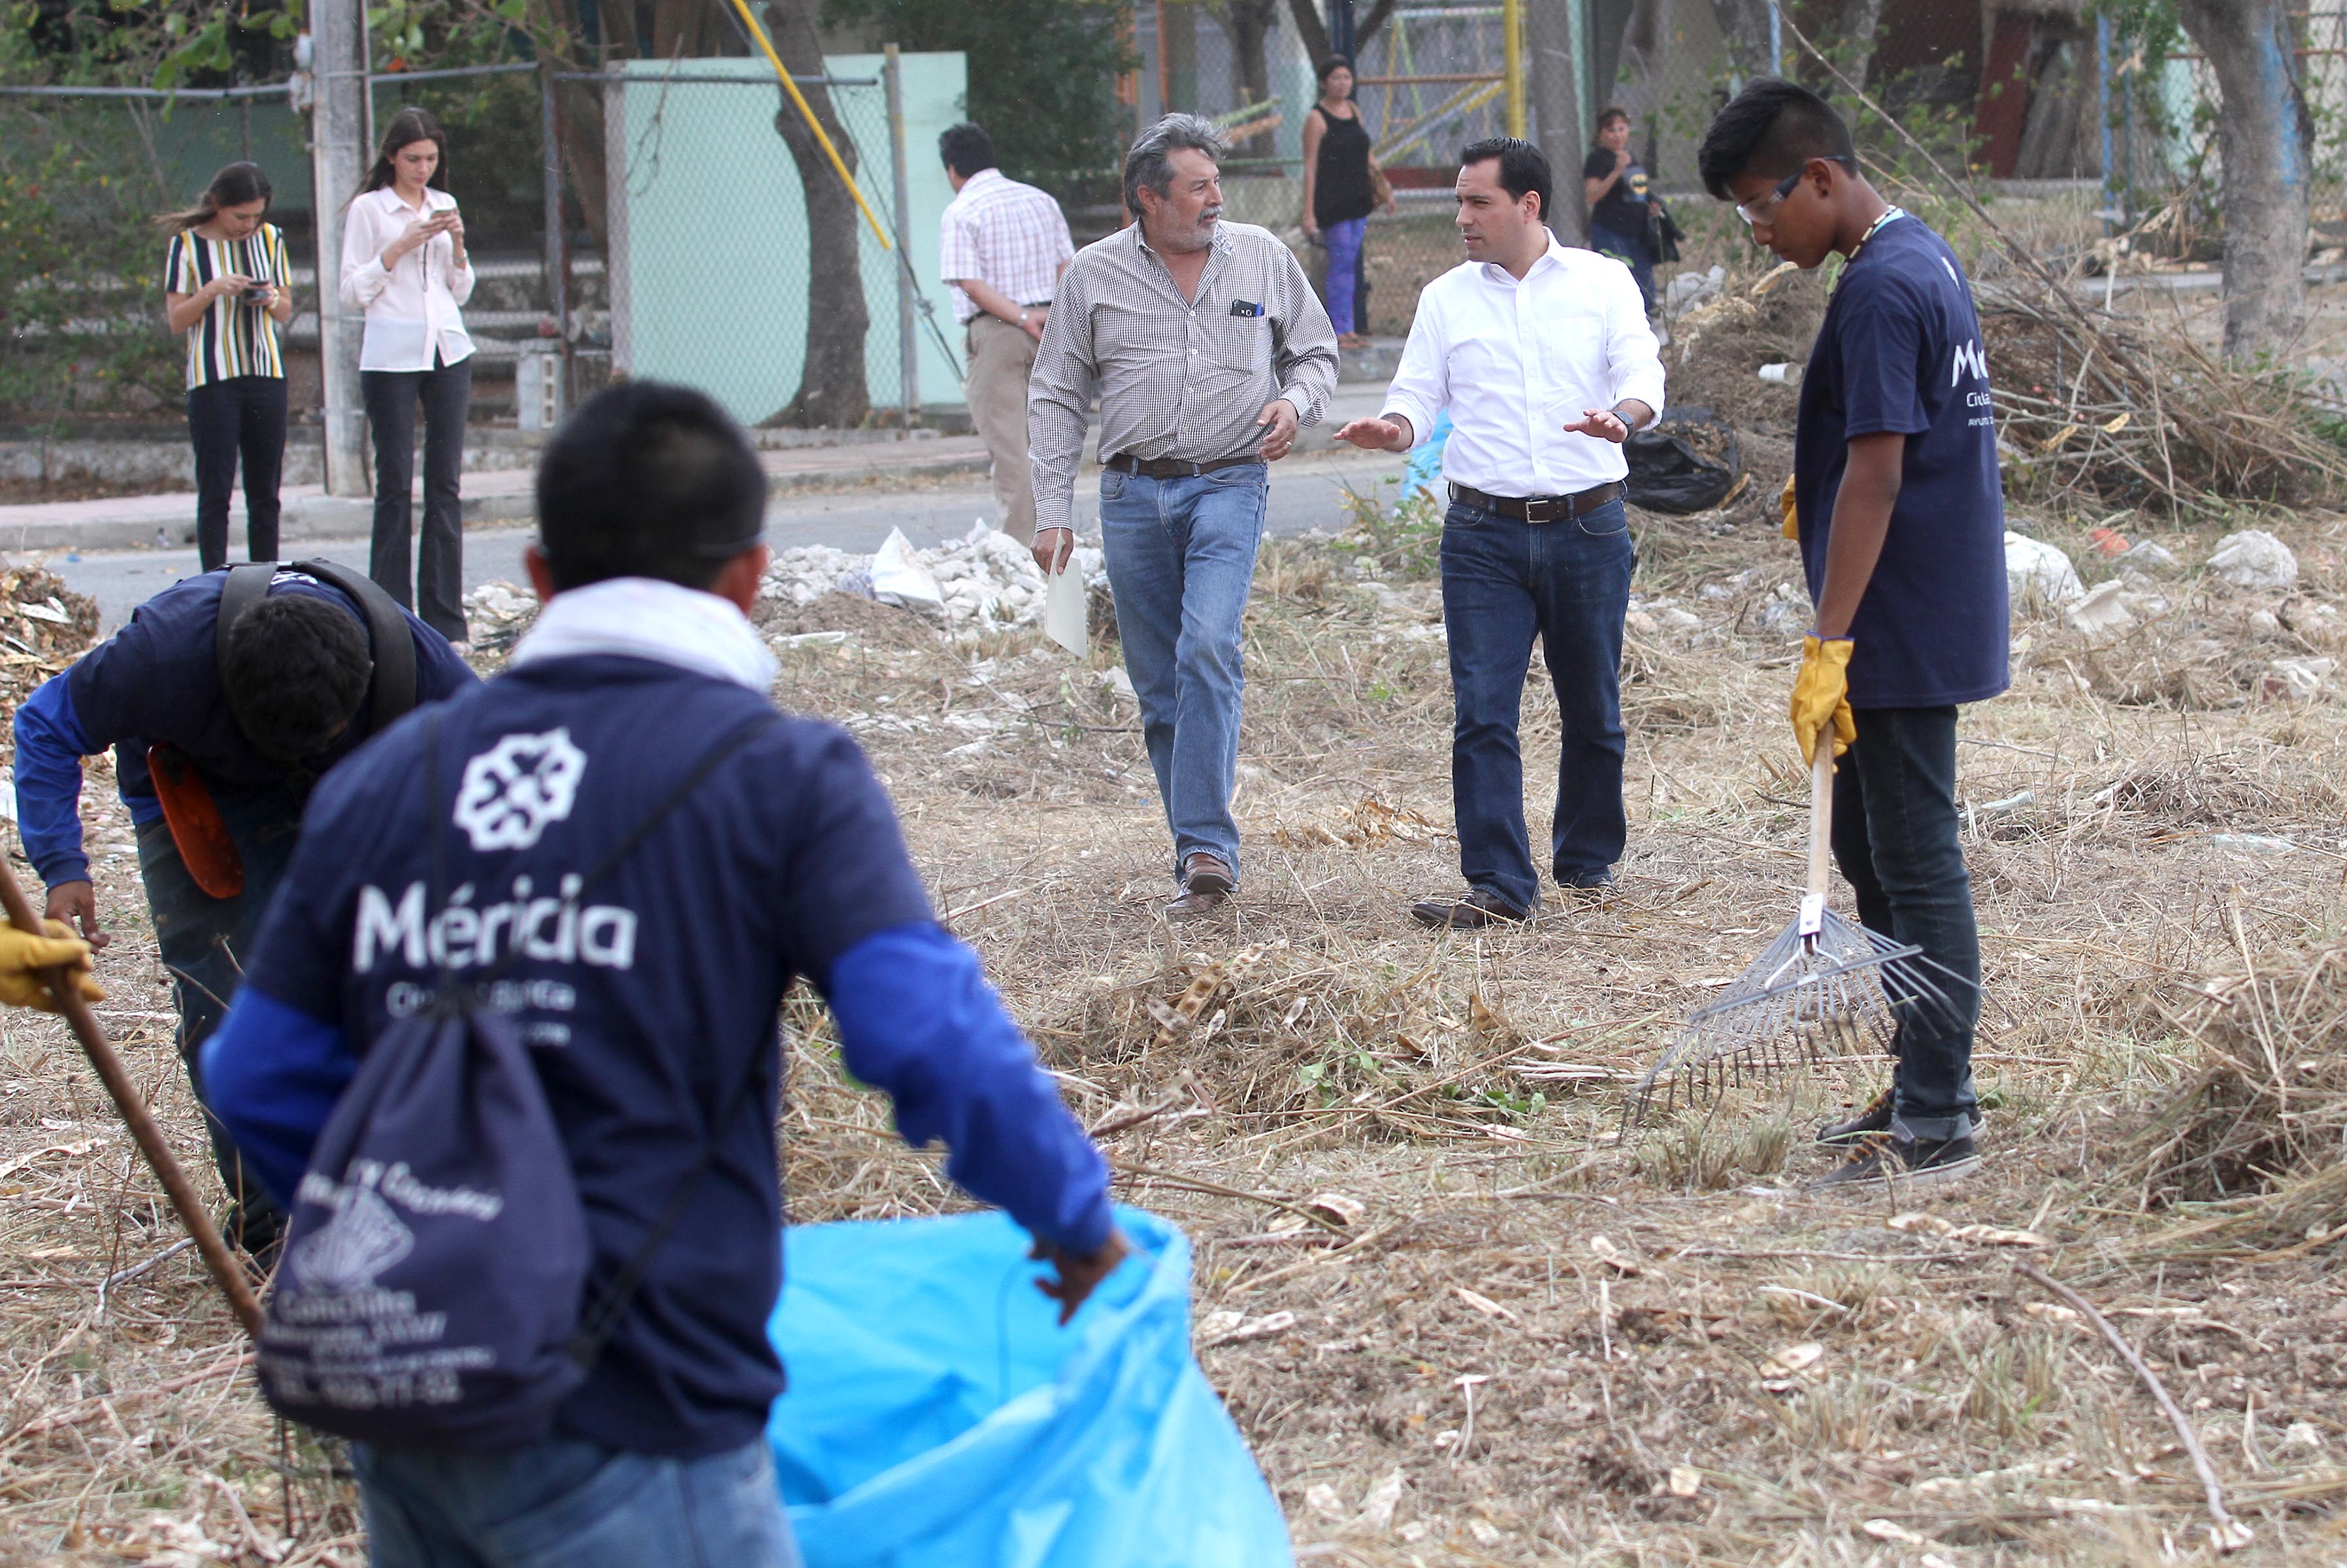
{"points": [[647, 479], [1772, 128], [1328, 67], [1522, 167], [966, 148], [1611, 113], [296, 672]]}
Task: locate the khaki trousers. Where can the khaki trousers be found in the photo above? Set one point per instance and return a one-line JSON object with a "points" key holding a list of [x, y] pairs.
{"points": [[1001, 357]]}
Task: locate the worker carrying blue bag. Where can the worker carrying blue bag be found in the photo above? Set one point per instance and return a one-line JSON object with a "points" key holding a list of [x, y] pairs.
{"points": [[507, 1046]]}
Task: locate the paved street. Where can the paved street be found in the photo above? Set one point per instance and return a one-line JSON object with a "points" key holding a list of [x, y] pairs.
{"points": [[1306, 492]]}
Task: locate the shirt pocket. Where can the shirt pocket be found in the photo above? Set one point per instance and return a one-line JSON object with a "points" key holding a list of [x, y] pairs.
{"points": [[1570, 350], [1242, 343]]}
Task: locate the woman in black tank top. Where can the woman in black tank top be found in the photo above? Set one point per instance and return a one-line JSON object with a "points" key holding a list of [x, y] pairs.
{"points": [[1339, 192]]}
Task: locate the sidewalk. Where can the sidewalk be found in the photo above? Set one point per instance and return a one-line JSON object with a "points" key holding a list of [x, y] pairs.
{"points": [[503, 496]]}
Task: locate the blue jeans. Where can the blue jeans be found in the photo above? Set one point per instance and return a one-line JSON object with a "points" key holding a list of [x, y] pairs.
{"points": [[1895, 838], [203, 942], [566, 1502], [1505, 581], [1181, 561], [1344, 241], [1630, 248]]}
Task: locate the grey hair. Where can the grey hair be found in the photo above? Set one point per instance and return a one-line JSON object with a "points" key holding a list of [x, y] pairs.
{"points": [[1151, 164]]}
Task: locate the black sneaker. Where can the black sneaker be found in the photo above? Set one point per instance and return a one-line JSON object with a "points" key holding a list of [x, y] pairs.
{"points": [[1876, 1118], [1916, 1163]]}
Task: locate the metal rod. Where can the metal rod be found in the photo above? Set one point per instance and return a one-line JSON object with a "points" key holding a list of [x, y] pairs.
{"points": [[510, 69], [908, 350], [1437, 77], [686, 76], [557, 261], [151, 95], [1512, 23], [229, 1273]]}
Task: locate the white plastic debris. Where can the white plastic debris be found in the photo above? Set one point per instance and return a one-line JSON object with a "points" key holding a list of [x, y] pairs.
{"points": [[900, 577], [2254, 559], [2102, 610], [2038, 571], [2302, 678], [1689, 289], [2146, 555]]}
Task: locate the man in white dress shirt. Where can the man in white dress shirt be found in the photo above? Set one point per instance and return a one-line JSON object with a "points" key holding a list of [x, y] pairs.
{"points": [[1543, 357]]}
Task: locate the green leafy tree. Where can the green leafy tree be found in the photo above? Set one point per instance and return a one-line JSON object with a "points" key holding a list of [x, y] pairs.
{"points": [[1042, 75]]}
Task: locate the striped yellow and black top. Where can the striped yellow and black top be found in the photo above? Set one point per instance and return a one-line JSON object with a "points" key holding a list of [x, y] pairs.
{"points": [[233, 338]]}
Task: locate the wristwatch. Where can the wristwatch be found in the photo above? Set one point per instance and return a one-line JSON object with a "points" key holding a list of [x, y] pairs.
{"points": [[1628, 423]]}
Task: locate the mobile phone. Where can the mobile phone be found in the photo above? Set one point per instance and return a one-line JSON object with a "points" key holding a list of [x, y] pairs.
{"points": [[256, 296]]}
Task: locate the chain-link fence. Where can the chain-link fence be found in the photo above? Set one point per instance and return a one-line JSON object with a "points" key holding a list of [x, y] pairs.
{"points": [[739, 263]]}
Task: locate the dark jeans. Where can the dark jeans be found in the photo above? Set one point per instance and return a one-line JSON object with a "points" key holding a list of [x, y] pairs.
{"points": [[241, 416], [446, 392], [1505, 581], [204, 941], [1895, 836], [1630, 248]]}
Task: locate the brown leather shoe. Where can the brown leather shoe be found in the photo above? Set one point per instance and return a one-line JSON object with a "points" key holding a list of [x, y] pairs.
{"points": [[1479, 908], [1204, 873], [1206, 886]]}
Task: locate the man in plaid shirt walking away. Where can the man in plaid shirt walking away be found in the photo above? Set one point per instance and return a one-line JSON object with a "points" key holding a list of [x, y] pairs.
{"points": [[1004, 247]]}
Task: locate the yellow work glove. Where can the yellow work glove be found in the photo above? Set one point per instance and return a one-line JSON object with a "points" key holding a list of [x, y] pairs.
{"points": [[22, 954], [1821, 696], [1785, 508]]}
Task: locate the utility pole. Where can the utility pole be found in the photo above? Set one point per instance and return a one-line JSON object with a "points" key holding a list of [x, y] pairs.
{"points": [[1554, 69], [341, 131]]}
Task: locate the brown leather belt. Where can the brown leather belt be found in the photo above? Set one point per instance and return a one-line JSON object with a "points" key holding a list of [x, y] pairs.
{"points": [[1172, 467], [1539, 508]]}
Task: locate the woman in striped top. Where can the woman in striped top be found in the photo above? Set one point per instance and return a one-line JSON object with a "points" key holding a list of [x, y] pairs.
{"points": [[226, 286]]}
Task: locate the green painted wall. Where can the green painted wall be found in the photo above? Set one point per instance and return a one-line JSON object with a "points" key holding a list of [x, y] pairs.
{"points": [[717, 242]]}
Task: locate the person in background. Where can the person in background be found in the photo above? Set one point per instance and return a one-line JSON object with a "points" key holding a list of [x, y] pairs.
{"points": [[1899, 506], [1208, 350], [1339, 193], [662, 1065], [1002, 247], [227, 288], [1545, 364], [403, 263], [243, 734], [1619, 208]]}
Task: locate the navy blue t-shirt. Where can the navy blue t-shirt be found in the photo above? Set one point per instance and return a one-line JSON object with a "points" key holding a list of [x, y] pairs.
{"points": [[1901, 351], [158, 679], [652, 1007]]}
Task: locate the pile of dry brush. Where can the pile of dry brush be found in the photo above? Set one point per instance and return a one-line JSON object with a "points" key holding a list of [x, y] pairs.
{"points": [[2254, 1144]]}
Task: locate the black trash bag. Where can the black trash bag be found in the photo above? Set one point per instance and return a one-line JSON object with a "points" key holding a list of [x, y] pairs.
{"points": [[1671, 468]]}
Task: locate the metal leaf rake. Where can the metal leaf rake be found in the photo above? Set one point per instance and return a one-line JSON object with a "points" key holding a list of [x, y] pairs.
{"points": [[1827, 989]]}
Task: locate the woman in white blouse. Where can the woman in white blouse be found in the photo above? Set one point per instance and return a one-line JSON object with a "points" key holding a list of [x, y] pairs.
{"points": [[403, 263]]}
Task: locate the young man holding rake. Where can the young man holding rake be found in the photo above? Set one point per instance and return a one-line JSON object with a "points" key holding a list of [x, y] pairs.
{"points": [[1900, 519]]}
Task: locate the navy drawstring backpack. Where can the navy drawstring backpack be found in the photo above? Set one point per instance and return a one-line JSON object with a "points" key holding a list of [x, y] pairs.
{"points": [[434, 1288]]}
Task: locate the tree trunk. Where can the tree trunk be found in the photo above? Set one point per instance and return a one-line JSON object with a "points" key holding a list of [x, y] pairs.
{"points": [[1313, 30], [1745, 24], [2266, 139], [1248, 24], [832, 391], [1860, 19], [1559, 117], [1645, 53]]}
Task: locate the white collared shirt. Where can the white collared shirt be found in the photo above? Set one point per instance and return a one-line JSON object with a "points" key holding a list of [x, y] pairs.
{"points": [[1515, 361], [1002, 232], [414, 307]]}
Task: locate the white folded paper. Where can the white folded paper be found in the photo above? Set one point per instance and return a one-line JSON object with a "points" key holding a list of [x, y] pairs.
{"points": [[1063, 609]]}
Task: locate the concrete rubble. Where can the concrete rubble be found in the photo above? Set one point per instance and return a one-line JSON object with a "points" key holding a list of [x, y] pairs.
{"points": [[2253, 558]]}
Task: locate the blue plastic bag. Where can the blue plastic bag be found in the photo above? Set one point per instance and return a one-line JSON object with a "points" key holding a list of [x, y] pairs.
{"points": [[938, 1415], [1424, 471]]}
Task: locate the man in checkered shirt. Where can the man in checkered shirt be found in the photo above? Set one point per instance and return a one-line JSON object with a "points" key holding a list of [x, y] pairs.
{"points": [[1209, 349], [1004, 247]]}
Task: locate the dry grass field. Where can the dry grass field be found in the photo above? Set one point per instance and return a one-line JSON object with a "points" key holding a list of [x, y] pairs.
{"points": [[1462, 1315]]}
